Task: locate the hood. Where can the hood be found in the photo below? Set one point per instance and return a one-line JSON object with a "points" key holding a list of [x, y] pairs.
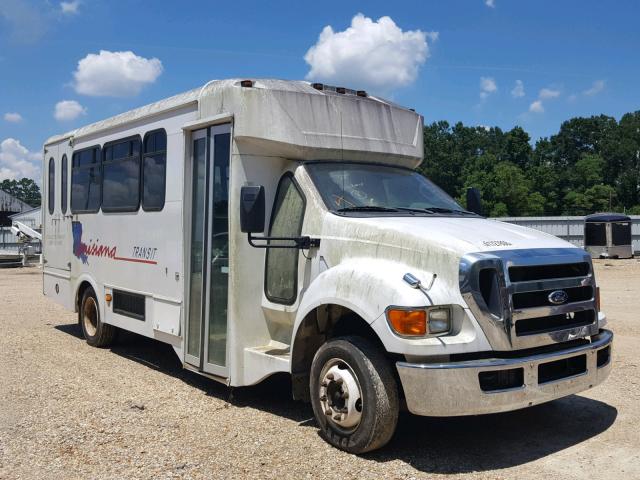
{"points": [[460, 235]]}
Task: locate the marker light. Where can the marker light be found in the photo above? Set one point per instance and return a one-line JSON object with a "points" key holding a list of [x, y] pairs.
{"points": [[411, 323], [246, 83], [108, 298]]}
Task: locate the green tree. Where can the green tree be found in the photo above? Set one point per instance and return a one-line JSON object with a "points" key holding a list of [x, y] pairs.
{"points": [[24, 189]]}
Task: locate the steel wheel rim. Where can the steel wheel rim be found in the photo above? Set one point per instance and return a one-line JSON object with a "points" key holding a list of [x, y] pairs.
{"points": [[344, 412], [90, 316]]}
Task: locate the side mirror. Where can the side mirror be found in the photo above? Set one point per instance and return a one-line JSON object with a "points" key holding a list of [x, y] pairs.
{"points": [[252, 209], [474, 203]]}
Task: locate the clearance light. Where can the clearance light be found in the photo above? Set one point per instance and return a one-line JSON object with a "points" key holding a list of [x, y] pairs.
{"points": [[246, 83], [361, 93], [108, 298], [318, 86], [410, 323]]}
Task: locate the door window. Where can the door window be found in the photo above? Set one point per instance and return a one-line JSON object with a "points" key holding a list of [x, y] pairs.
{"points": [[63, 184], [281, 270], [52, 184]]}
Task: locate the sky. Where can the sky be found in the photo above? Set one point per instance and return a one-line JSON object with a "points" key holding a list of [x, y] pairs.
{"points": [[483, 62]]}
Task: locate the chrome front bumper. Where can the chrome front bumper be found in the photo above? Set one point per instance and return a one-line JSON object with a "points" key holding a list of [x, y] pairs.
{"points": [[452, 389]]}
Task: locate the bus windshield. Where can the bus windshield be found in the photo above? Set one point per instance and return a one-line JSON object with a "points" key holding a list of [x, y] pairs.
{"points": [[360, 187]]}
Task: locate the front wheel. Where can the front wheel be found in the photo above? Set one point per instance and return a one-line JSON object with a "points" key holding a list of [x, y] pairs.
{"points": [[354, 394]]}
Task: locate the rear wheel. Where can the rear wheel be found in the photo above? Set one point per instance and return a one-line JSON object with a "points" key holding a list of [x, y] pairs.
{"points": [[96, 333], [354, 394]]}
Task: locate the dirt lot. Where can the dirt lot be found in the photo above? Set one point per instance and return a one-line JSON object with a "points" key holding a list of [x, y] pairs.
{"points": [[71, 411]]}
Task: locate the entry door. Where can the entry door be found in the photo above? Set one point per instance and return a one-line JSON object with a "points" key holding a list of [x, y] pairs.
{"points": [[206, 346], [56, 208]]}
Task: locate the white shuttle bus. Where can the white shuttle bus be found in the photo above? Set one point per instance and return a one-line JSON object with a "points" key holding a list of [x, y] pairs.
{"points": [[263, 226]]}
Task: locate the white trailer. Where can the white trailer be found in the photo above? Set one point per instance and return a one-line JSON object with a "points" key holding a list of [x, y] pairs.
{"points": [[370, 286]]}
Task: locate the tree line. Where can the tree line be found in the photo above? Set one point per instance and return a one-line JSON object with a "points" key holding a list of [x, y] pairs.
{"points": [[592, 164]]}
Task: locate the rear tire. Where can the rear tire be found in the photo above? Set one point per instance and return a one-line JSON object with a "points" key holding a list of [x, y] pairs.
{"points": [[96, 333], [343, 369]]}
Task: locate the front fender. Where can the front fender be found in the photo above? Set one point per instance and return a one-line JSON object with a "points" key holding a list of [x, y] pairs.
{"points": [[365, 286], [368, 286]]}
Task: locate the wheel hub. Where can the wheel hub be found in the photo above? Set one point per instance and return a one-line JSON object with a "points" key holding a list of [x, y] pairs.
{"points": [[90, 316], [340, 395]]}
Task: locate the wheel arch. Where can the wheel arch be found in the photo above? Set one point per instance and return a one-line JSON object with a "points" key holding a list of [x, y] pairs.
{"points": [[320, 324], [83, 282]]}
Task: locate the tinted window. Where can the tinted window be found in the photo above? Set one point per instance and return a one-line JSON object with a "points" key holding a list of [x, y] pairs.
{"points": [[86, 181], [621, 233], [121, 176], [154, 170], [595, 234], [52, 184], [64, 179], [282, 263]]}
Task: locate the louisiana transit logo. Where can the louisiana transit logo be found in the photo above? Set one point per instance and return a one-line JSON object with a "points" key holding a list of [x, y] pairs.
{"points": [[83, 251]]}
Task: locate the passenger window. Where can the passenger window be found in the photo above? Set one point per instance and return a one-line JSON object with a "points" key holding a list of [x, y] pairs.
{"points": [[64, 178], [52, 184], [86, 181], [281, 280], [121, 176], [154, 170]]}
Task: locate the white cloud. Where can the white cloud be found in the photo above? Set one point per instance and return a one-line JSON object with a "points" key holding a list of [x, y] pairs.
{"points": [[68, 110], [548, 93], [490, 3], [70, 8], [487, 87], [536, 107], [596, 88], [16, 161], [369, 53], [518, 89], [115, 74], [13, 117]]}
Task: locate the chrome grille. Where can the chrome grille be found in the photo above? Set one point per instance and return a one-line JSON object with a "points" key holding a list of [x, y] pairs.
{"points": [[525, 279]]}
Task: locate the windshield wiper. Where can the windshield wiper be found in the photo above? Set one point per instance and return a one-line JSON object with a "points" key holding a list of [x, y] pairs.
{"points": [[367, 208], [449, 210]]}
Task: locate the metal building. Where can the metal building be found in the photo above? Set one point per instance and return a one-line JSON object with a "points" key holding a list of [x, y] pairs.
{"points": [[10, 205]]}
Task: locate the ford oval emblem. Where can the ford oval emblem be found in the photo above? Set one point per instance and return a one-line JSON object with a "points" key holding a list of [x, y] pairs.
{"points": [[558, 297]]}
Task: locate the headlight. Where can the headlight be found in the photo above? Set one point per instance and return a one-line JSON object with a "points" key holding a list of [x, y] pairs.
{"points": [[418, 322], [439, 320]]}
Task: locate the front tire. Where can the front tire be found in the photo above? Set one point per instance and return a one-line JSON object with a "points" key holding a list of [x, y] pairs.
{"points": [[354, 394], [96, 333]]}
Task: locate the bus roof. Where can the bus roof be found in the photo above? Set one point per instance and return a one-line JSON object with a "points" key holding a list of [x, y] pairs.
{"points": [[276, 115]]}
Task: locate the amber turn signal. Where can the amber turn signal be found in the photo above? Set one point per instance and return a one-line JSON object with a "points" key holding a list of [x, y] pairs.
{"points": [[107, 297], [408, 322]]}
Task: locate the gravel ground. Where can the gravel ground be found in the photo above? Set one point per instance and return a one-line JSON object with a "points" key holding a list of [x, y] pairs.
{"points": [[71, 411]]}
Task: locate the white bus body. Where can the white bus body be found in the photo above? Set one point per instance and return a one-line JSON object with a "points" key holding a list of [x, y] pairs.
{"points": [[163, 255]]}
